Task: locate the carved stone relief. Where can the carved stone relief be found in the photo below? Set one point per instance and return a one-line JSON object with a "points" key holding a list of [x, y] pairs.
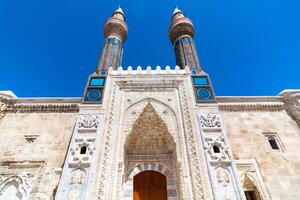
{"points": [[218, 142], [219, 158], [102, 169], [161, 118], [149, 135], [78, 177], [210, 120], [22, 182], [223, 177], [197, 175], [88, 121], [77, 156]]}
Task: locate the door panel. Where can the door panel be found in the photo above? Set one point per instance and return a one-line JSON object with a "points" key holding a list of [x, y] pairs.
{"points": [[150, 185]]}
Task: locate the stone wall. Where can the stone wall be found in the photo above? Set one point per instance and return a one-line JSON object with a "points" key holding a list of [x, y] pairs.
{"points": [[33, 147], [247, 133]]}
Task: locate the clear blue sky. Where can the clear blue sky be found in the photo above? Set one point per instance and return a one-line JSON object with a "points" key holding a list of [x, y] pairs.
{"points": [[48, 48]]}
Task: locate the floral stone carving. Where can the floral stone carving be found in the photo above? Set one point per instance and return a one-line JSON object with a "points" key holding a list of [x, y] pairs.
{"points": [[78, 177], [88, 121], [223, 177], [210, 120]]}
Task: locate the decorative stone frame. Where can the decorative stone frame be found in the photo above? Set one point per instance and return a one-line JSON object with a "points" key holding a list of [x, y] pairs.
{"points": [[150, 166], [250, 169], [169, 118], [190, 167], [17, 182], [276, 137]]}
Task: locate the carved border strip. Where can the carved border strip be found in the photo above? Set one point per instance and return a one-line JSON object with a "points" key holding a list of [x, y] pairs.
{"points": [[195, 168], [107, 145]]}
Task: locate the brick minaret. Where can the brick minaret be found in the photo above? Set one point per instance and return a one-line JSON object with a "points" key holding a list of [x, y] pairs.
{"points": [[115, 33], [181, 34]]}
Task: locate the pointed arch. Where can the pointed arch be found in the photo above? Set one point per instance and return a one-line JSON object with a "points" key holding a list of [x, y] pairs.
{"points": [[14, 187], [153, 101], [150, 138], [164, 111], [250, 187], [149, 135]]}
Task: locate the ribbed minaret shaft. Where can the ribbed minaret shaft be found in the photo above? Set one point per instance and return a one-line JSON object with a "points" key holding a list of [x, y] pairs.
{"points": [[181, 34], [115, 33]]}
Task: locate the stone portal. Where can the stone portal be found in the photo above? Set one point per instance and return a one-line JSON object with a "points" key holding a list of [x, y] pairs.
{"points": [[150, 155]]}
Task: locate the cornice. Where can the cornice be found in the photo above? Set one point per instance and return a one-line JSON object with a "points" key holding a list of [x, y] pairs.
{"points": [[250, 103], [44, 108], [40, 105], [251, 107]]}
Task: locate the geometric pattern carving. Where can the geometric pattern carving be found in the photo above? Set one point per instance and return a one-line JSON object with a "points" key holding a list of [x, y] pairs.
{"points": [[222, 155], [107, 146], [219, 157], [79, 159], [194, 162]]}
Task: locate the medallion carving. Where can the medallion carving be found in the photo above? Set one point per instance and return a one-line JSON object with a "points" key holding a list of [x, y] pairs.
{"points": [[223, 177], [77, 177]]}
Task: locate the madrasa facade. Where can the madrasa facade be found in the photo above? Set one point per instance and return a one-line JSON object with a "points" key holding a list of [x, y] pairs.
{"points": [[150, 134]]}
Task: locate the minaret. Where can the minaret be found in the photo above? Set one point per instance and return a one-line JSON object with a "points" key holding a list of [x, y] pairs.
{"points": [[115, 33], [181, 34]]}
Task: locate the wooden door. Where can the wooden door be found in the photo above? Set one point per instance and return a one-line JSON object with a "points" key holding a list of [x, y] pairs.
{"points": [[149, 185]]}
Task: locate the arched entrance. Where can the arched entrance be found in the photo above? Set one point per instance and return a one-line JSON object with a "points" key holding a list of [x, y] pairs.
{"points": [[150, 159], [150, 185]]}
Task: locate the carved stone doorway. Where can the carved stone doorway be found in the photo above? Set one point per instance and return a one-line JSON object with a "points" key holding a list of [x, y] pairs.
{"points": [[150, 147], [150, 185]]}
